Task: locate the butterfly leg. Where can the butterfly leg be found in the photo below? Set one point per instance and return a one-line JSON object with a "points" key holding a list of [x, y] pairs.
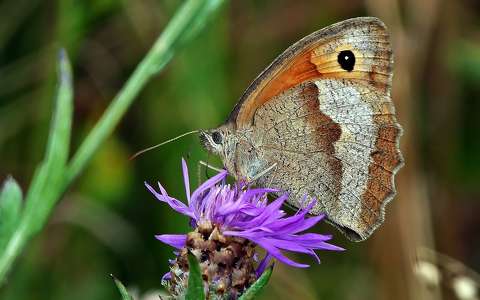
{"points": [[254, 178], [199, 174], [207, 166]]}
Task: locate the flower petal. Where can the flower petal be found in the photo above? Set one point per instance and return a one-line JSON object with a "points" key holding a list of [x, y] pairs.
{"points": [[263, 264], [272, 250], [186, 179], [206, 185], [174, 203], [167, 276], [175, 240], [301, 224]]}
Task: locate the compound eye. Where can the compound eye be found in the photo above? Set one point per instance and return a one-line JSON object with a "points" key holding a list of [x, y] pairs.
{"points": [[217, 137]]}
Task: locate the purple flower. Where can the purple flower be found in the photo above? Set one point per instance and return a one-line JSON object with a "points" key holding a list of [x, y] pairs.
{"points": [[240, 211]]}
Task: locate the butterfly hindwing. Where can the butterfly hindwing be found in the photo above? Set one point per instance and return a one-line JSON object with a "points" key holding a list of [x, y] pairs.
{"points": [[328, 142]]}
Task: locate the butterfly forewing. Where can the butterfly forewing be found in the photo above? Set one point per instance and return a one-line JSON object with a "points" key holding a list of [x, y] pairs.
{"points": [[316, 56]]}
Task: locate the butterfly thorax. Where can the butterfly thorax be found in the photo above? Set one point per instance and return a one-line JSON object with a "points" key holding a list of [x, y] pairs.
{"points": [[249, 158]]}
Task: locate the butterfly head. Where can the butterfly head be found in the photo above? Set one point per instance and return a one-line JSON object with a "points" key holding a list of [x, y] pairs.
{"points": [[220, 141]]}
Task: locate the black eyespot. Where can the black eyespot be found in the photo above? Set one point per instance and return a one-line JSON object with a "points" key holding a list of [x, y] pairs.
{"points": [[346, 59], [217, 137]]}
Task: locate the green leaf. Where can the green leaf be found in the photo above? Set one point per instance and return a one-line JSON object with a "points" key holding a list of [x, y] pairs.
{"points": [[254, 290], [195, 281], [122, 289], [59, 138], [47, 184], [10, 206]]}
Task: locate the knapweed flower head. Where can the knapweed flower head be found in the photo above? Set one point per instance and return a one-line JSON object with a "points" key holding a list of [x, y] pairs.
{"points": [[229, 221]]}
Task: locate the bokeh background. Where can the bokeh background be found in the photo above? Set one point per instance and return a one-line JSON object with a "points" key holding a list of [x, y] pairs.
{"points": [[106, 222]]}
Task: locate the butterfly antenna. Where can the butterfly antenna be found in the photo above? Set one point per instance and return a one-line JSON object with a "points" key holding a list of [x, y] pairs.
{"points": [[162, 143]]}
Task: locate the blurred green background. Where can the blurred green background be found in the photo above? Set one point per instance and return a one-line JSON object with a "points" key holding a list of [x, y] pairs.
{"points": [[106, 222]]}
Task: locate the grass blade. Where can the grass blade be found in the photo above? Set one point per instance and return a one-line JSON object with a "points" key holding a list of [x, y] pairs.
{"points": [[254, 290], [195, 281], [59, 138], [122, 289], [10, 206], [47, 184]]}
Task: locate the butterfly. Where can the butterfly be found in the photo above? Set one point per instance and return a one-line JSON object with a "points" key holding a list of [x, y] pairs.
{"points": [[319, 122]]}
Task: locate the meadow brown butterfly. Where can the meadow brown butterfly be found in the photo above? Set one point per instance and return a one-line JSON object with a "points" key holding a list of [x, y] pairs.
{"points": [[319, 121]]}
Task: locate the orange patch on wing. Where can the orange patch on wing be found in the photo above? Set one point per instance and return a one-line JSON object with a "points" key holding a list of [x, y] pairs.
{"points": [[386, 159], [310, 65], [299, 70]]}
